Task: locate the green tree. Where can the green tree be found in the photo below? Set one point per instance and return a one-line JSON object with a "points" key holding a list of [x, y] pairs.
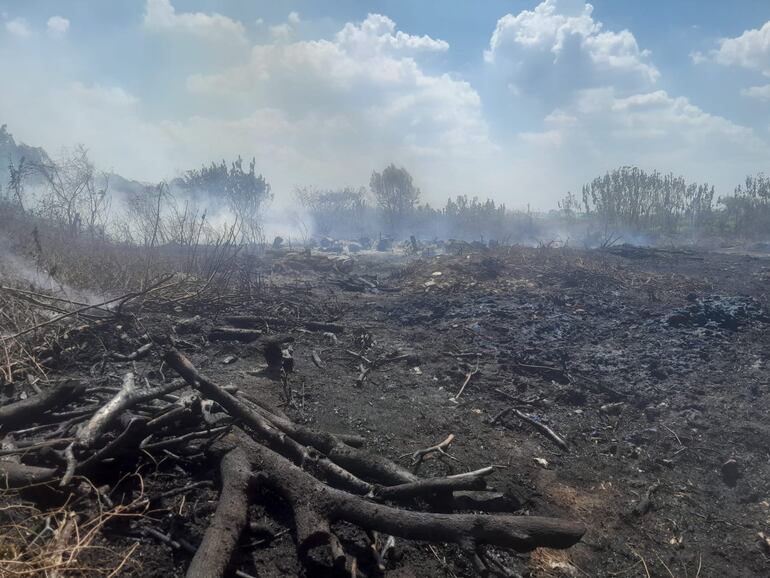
{"points": [[244, 191], [395, 194]]}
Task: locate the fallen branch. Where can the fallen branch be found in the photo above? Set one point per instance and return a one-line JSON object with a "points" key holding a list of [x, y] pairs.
{"points": [[469, 481], [266, 431], [229, 519], [313, 517], [234, 334], [439, 448], [468, 377], [541, 427], [15, 475], [128, 396], [342, 464], [89, 433], [30, 409], [134, 355]]}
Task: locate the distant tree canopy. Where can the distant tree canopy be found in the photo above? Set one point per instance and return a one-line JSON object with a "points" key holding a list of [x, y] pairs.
{"points": [[470, 218], [748, 210], [68, 194], [245, 192], [654, 202], [341, 208], [395, 193]]}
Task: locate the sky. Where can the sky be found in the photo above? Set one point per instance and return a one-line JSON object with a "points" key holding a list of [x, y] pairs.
{"points": [[520, 101]]}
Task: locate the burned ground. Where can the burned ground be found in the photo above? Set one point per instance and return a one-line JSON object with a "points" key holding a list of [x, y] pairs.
{"points": [[651, 366]]}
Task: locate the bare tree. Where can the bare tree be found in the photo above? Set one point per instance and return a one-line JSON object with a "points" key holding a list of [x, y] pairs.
{"points": [[72, 197]]}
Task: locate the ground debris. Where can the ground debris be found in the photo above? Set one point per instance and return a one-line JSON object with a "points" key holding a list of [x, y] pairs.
{"points": [[572, 340]]}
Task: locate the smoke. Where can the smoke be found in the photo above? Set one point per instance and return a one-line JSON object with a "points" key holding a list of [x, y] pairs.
{"points": [[18, 270]]}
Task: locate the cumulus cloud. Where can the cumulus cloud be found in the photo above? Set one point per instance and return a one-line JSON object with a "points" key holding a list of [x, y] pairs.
{"points": [[749, 50], [285, 31], [18, 27], [161, 16], [377, 34], [600, 129], [281, 32], [368, 75], [757, 92], [57, 26], [559, 47]]}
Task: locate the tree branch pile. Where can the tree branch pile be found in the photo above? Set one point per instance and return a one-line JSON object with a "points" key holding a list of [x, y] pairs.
{"points": [[323, 478]]}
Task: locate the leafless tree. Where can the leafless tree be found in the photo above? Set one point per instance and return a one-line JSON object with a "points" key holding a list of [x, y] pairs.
{"points": [[72, 196]]}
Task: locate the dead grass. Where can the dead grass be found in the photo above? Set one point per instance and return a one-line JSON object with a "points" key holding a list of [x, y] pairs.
{"points": [[62, 541]]}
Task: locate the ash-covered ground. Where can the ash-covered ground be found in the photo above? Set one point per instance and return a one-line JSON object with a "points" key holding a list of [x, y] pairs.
{"points": [[651, 366]]}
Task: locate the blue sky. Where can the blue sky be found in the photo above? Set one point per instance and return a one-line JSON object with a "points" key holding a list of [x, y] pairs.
{"points": [[517, 100]]}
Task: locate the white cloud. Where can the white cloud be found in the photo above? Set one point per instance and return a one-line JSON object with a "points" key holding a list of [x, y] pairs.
{"points": [[281, 32], [18, 27], [367, 75], [57, 26], [600, 129], [757, 92], [161, 16], [698, 57], [378, 34], [749, 50], [285, 31], [559, 47]]}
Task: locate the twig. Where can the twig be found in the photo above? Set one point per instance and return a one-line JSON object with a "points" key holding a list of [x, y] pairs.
{"points": [[644, 563], [439, 448], [468, 376], [541, 427]]}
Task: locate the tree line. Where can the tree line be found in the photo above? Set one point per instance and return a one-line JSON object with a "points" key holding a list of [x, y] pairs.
{"points": [[71, 194], [631, 199]]}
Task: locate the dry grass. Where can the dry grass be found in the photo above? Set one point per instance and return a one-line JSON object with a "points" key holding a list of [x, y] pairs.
{"points": [[61, 541]]}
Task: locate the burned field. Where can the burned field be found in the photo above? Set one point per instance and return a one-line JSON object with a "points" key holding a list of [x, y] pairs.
{"points": [[521, 412]]}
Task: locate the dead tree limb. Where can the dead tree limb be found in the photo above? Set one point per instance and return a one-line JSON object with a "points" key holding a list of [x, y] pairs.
{"points": [[343, 446], [234, 334], [28, 410], [297, 431], [439, 448], [267, 432], [470, 481], [15, 475], [128, 396], [89, 433], [134, 355], [468, 377], [342, 464], [541, 427], [229, 519], [316, 506]]}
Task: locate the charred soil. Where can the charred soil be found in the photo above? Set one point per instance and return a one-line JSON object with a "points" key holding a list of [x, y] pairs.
{"points": [[626, 392]]}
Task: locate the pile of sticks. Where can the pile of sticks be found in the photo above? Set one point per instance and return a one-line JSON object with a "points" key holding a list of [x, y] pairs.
{"points": [[323, 478]]}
